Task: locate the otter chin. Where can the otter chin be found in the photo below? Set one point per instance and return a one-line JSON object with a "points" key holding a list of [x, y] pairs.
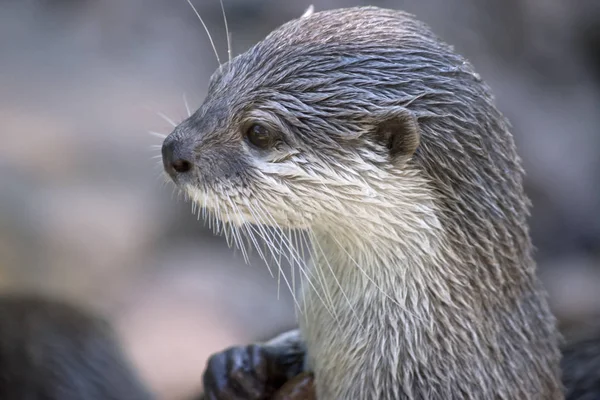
{"points": [[363, 128]]}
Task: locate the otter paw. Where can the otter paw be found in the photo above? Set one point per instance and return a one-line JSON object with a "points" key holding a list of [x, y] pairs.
{"points": [[238, 373]]}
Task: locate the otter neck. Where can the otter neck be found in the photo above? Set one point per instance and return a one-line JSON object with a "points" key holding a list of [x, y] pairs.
{"points": [[397, 252], [395, 236], [393, 277]]}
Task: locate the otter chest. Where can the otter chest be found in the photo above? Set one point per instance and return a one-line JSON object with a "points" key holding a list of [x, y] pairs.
{"points": [[353, 331]]}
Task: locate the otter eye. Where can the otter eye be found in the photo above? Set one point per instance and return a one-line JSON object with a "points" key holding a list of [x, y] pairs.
{"points": [[259, 136]]}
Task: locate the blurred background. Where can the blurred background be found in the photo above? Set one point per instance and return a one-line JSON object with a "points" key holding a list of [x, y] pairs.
{"points": [[85, 216]]}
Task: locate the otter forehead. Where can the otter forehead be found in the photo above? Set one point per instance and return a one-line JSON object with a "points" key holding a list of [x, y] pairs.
{"points": [[357, 25], [346, 30], [341, 61]]}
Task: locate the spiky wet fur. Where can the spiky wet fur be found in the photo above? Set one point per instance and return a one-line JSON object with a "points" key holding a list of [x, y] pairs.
{"points": [[423, 284]]}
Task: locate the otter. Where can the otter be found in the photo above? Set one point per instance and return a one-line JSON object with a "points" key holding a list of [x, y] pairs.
{"points": [[362, 128], [52, 350]]}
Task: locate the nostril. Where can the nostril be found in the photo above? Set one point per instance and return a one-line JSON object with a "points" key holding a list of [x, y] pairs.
{"points": [[176, 157], [181, 166]]}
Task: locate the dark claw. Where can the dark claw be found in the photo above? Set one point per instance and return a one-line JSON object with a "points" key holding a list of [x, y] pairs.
{"points": [[254, 372], [239, 373]]}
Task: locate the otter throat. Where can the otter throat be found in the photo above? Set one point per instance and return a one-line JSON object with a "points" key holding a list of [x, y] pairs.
{"points": [[373, 282]]}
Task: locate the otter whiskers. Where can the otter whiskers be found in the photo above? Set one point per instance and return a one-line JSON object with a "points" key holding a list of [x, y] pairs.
{"points": [[159, 135], [224, 216], [187, 106], [276, 251], [272, 249], [227, 33], [281, 246], [237, 236], [270, 221], [167, 119], [232, 230], [206, 29], [154, 147]]}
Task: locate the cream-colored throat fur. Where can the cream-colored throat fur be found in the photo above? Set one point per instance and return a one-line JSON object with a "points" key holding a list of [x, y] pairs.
{"points": [[370, 294]]}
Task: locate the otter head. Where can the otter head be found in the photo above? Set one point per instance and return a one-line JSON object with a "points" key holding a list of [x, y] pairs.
{"points": [[319, 120]]}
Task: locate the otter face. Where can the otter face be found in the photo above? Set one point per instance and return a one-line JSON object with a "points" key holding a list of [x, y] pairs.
{"points": [[257, 160], [240, 162], [300, 130]]}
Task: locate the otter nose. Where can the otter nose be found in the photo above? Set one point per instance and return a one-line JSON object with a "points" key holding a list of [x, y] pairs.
{"points": [[177, 159]]}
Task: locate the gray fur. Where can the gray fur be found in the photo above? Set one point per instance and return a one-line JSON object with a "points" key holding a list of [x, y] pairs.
{"points": [[423, 285]]}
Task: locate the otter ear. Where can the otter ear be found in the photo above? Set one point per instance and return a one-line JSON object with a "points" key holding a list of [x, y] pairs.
{"points": [[398, 129]]}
